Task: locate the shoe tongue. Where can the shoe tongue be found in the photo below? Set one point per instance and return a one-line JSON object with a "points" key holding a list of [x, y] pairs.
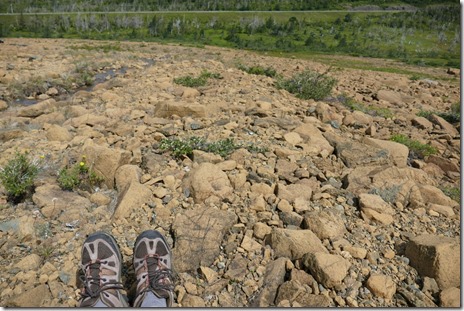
{"points": [[152, 264], [94, 271]]}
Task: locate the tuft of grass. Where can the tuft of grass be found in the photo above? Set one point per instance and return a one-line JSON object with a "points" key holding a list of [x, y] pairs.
{"points": [[371, 110], [258, 70], [181, 148], [415, 77], [18, 177], [308, 85], [201, 80], [46, 250], [421, 150], [453, 192], [99, 47], [78, 176], [454, 116]]}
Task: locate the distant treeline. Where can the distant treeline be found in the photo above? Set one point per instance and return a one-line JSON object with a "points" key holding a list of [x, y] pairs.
{"points": [[429, 36], [36, 6]]}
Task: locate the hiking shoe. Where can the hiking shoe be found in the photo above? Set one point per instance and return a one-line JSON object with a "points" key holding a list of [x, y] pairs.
{"points": [[152, 265], [101, 263]]}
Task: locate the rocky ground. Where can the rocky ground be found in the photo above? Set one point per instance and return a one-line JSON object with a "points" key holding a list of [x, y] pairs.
{"points": [[329, 213]]}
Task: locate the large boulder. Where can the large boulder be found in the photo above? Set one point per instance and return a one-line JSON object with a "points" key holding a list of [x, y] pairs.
{"points": [[354, 153], [53, 201], [208, 180], [37, 109], [198, 235], [450, 298], [58, 133], [36, 297], [436, 257], [364, 178], [373, 207], [134, 196], [381, 285], [389, 96], [126, 174], [273, 277], [292, 192], [313, 139], [181, 109], [326, 224], [445, 125], [105, 161], [294, 244], [327, 269], [398, 152]]}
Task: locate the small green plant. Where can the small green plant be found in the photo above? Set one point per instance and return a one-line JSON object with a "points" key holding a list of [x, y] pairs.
{"points": [[308, 85], [424, 113], [99, 47], [419, 149], [31, 87], [414, 77], [454, 116], [259, 70], [453, 192], [78, 176], [18, 177], [201, 80], [371, 110], [224, 147], [46, 250]]}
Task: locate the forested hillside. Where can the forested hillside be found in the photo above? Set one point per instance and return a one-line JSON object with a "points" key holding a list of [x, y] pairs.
{"points": [[33, 6]]}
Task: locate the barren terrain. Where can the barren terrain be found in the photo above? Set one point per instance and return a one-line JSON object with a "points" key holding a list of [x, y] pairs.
{"points": [[324, 210]]}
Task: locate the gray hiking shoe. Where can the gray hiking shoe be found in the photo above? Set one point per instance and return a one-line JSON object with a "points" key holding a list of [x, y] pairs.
{"points": [[101, 263], [152, 265]]}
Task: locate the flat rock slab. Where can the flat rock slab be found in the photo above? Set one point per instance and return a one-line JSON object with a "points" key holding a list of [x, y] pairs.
{"points": [[294, 244], [198, 234], [436, 257], [53, 201]]}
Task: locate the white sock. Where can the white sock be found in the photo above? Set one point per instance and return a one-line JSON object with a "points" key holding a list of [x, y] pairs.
{"points": [[151, 300]]}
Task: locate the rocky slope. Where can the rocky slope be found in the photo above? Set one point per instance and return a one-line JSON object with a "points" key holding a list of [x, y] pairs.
{"points": [[332, 213]]}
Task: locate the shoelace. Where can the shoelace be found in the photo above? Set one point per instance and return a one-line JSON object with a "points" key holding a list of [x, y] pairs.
{"points": [[93, 279], [156, 276]]}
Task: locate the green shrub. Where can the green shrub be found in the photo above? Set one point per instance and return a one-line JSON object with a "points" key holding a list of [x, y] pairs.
{"points": [[454, 116], [259, 70], [224, 147], [78, 176], [424, 114], [308, 85], [201, 80], [453, 192], [421, 150], [371, 110], [18, 177]]}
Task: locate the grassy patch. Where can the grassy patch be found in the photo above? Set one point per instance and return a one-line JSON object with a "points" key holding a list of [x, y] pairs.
{"points": [[79, 176], [308, 85], [201, 80], [453, 116], [81, 75], [18, 177], [258, 70], [453, 192], [106, 48], [368, 109], [181, 148], [419, 149]]}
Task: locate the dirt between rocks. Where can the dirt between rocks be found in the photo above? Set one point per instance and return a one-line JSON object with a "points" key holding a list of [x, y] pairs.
{"points": [[331, 214]]}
